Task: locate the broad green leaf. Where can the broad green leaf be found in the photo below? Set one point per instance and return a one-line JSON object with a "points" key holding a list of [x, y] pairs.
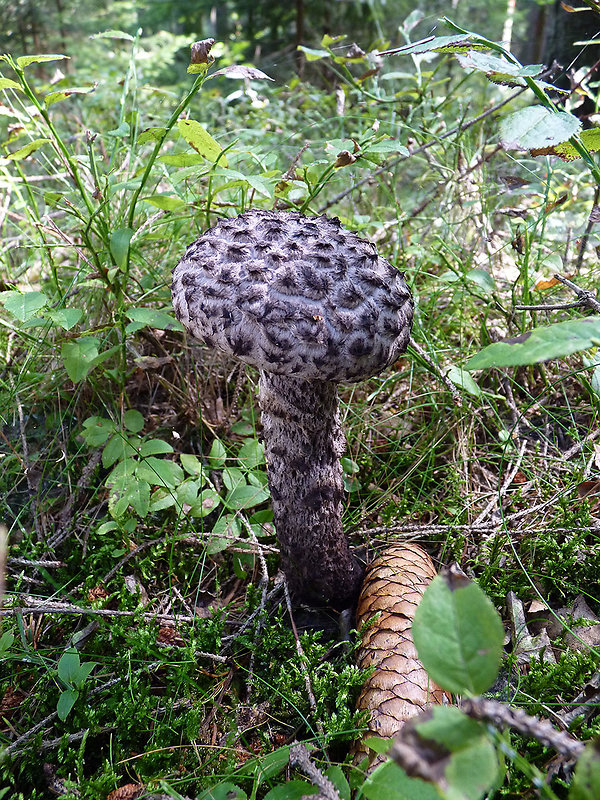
{"points": [[208, 501], [113, 35], [6, 642], [461, 377], [182, 159], [23, 305], [458, 635], [536, 126], [66, 701], [217, 455], [118, 449], [246, 497], [540, 344], [27, 149], [482, 278], [161, 499], [165, 202], [138, 496], [251, 454], [586, 781], [155, 447], [291, 790], [201, 140], [119, 246], [224, 533], [312, 54], [440, 44], [97, 430], [160, 472], [233, 477], [589, 138], [191, 464], [151, 135], [133, 420], [152, 318], [25, 61], [240, 71], [6, 83], [65, 318], [79, 357], [121, 132], [84, 673], [55, 97], [187, 493], [390, 782], [223, 791], [336, 775], [387, 146], [68, 666]]}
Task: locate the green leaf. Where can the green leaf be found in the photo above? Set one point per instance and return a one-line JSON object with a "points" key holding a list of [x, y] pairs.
{"points": [[540, 344], [117, 449], [6, 83], [440, 44], [224, 791], [245, 497], [6, 642], [68, 666], [224, 533], [208, 501], [165, 202], [387, 146], [119, 246], [97, 430], [586, 781], [191, 464], [152, 318], [113, 35], [182, 159], [160, 472], [201, 140], [336, 775], [312, 54], [133, 420], [55, 97], [154, 447], [377, 744], [161, 499], [217, 455], [23, 305], [461, 377], [291, 790], [66, 701], [458, 635], [389, 782], [79, 356], [135, 494], [84, 673], [151, 135], [251, 454], [536, 126], [589, 138], [482, 279], [65, 318], [25, 61]]}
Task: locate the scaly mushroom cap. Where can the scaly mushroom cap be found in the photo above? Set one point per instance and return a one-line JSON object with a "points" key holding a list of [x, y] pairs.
{"points": [[294, 295]]}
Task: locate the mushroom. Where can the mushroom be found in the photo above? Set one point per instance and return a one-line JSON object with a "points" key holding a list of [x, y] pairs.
{"points": [[310, 305]]}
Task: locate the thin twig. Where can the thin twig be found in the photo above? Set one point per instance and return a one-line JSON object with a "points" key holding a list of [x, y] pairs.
{"points": [[300, 760], [514, 468], [505, 716]]}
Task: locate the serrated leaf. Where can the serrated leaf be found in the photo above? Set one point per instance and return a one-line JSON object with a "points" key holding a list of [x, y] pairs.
{"points": [[119, 246], [589, 138], [164, 201], [201, 140], [25, 151], [153, 318], [7, 83], [79, 357], [25, 61], [540, 344], [66, 701], [536, 126], [65, 318], [23, 305], [458, 635]]}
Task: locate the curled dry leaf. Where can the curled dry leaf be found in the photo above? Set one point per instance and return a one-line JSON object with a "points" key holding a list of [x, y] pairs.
{"points": [[399, 688]]}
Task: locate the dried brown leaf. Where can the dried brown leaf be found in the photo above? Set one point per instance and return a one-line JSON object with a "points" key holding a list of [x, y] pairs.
{"points": [[399, 687], [127, 792]]}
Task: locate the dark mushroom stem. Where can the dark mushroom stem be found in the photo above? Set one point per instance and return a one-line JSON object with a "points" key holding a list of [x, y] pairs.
{"points": [[303, 444]]}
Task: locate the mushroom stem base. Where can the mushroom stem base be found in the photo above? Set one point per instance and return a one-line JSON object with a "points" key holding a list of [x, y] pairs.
{"points": [[304, 442]]}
